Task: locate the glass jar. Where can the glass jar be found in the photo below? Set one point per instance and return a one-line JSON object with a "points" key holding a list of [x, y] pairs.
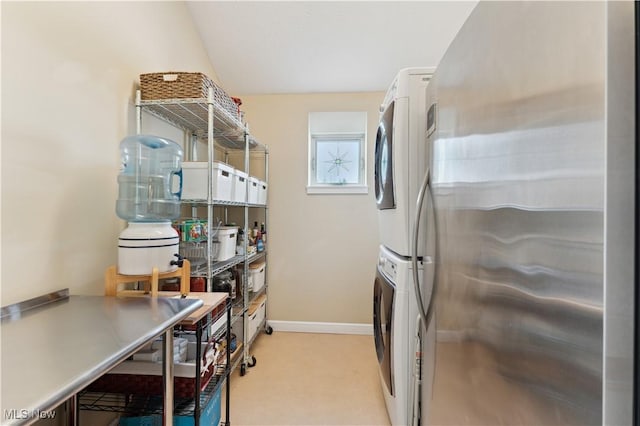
{"points": [[222, 282]]}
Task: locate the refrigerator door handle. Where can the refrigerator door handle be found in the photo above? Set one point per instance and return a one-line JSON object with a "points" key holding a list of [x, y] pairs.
{"points": [[425, 315]]}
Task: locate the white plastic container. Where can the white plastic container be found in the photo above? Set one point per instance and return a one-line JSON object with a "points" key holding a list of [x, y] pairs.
{"points": [[145, 245], [262, 193], [222, 180], [194, 180], [226, 236], [239, 186], [186, 368], [254, 185], [257, 313], [256, 276]]}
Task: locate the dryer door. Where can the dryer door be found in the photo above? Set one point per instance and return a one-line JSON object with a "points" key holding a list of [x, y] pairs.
{"points": [[383, 297], [383, 169]]}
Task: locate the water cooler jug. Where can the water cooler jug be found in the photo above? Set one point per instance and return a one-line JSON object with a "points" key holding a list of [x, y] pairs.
{"points": [[149, 187]]}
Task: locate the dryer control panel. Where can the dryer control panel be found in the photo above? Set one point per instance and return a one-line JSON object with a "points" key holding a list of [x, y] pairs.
{"points": [[388, 268]]}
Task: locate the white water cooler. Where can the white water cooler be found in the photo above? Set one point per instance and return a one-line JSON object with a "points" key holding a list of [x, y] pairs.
{"points": [[149, 189]]}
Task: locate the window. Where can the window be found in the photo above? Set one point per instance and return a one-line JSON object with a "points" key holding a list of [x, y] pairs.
{"points": [[337, 153]]}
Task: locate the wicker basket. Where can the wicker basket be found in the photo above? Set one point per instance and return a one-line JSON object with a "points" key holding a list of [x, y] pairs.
{"points": [[184, 85], [143, 383], [140, 384]]}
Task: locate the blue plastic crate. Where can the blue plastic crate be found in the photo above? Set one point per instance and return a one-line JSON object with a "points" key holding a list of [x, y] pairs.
{"points": [[209, 416]]}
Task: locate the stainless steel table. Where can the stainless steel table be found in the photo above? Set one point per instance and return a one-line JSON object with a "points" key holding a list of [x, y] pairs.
{"points": [[52, 351]]}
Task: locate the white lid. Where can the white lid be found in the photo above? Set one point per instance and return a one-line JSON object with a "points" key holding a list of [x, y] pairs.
{"points": [[222, 166], [254, 179], [203, 165], [194, 165], [240, 173], [225, 230]]}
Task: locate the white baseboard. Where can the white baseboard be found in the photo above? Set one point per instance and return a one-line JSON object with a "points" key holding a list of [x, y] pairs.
{"points": [[321, 327]]}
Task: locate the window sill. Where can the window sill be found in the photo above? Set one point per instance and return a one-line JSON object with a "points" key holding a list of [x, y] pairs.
{"points": [[337, 189]]}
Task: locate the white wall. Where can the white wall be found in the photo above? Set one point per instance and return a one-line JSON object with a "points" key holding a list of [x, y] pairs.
{"points": [[69, 73], [322, 248]]}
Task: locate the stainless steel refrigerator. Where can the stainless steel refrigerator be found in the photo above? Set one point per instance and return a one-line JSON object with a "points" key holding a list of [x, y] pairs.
{"points": [[532, 218]]}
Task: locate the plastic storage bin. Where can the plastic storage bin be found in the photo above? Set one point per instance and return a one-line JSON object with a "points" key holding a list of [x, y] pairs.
{"points": [[257, 313], [210, 414], [256, 276], [145, 377], [254, 184], [226, 236], [262, 193], [239, 186], [194, 180]]}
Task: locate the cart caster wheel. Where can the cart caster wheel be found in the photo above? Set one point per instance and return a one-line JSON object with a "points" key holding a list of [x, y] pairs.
{"points": [[253, 361], [243, 369], [269, 330]]}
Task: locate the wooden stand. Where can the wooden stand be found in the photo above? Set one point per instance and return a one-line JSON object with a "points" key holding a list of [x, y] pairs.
{"points": [[112, 280]]}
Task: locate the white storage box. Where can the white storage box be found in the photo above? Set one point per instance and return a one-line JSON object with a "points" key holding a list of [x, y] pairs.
{"points": [[227, 237], [145, 377], [254, 184], [222, 180], [239, 186], [184, 368], [256, 276], [257, 313], [194, 180], [262, 193]]}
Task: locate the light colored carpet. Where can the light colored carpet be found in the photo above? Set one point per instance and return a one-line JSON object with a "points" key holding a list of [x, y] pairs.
{"points": [[309, 379]]}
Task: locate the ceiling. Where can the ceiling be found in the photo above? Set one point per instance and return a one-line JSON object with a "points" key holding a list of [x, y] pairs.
{"points": [[269, 47]]}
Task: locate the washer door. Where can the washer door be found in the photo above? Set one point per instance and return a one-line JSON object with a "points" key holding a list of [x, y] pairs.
{"points": [[383, 169], [383, 297]]}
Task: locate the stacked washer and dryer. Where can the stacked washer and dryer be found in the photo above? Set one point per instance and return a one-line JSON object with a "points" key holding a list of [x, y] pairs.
{"points": [[401, 157]]}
